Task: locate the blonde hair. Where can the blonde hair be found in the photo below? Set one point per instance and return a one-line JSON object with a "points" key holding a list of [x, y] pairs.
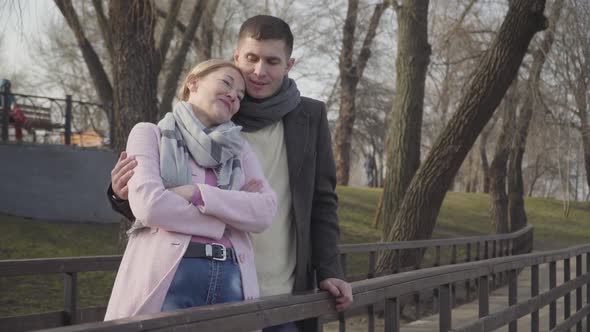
{"points": [[201, 70]]}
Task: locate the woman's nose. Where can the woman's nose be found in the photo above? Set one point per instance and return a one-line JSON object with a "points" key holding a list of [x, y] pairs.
{"points": [[232, 94]]}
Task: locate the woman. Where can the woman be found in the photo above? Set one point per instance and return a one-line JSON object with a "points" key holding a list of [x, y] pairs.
{"points": [[197, 192]]}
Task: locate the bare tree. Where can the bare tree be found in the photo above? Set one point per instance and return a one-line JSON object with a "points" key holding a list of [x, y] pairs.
{"points": [[488, 84], [573, 70], [128, 33], [404, 137], [497, 172], [351, 72], [516, 213]]}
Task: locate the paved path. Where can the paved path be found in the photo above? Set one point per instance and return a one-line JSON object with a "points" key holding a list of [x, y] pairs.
{"points": [[469, 312]]}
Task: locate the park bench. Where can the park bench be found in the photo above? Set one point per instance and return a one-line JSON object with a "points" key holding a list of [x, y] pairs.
{"points": [[38, 117]]}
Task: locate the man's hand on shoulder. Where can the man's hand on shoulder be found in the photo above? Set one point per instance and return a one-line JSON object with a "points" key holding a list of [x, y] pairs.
{"points": [[339, 289]]}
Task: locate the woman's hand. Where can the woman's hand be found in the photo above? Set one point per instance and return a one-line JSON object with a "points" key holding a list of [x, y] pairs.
{"points": [[253, 186], [186, 191]]}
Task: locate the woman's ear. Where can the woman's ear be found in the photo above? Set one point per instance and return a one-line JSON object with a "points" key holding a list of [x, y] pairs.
{"points": [[192, 85]]}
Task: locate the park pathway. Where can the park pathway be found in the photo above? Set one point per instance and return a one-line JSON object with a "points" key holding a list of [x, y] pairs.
{"points": [[468, 312]]}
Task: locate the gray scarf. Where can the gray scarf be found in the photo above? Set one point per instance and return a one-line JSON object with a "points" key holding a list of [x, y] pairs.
{"points": [[255, 114], [218, 148]]}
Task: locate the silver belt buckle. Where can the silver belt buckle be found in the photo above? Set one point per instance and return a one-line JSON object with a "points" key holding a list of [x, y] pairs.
{"points": [[209, 251]]}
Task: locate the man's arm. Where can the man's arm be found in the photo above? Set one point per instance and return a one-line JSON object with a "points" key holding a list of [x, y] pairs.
{"points": [[325, 231], [118, 191]]}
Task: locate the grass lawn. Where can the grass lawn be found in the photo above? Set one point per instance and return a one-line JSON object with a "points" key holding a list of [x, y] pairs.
{"points": [[462, 214]]}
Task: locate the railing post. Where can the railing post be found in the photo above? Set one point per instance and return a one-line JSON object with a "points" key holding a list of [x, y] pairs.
{"points": [[416, 296], [444, 317], [371, 307], [567, 298], [70, 295], [535, 292], [468, 281], [552, 304], [512, 296], [588, 290], [579, 290], [392, 315], [435, 297], [453, 261], [68, 124], [397, 261], [5, 112], [484, 296]]}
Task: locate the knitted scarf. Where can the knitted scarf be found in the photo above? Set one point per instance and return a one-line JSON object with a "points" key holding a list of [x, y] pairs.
{"points": [[255, 114], [218, 148]]}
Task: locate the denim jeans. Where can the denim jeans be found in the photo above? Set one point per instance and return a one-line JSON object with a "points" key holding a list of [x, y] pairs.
{"points": [[287, 327], [201, 281]]}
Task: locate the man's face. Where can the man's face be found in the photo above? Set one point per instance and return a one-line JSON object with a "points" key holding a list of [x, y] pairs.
{"points": [[264, 64]]}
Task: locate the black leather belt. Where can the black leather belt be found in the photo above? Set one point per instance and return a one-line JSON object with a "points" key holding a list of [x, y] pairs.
{"points": [[214, 251]]}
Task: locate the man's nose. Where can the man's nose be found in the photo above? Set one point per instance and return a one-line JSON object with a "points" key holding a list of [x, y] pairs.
{"points": [[259, 69]]}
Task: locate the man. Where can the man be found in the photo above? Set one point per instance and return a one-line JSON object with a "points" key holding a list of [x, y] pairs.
{"points": [[291, 139]]}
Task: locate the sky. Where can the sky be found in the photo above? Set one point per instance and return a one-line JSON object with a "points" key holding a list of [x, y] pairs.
{"points": [[22, 23]]}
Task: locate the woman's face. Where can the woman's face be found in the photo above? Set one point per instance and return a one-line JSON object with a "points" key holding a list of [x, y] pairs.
{"points": [[216, 97]]}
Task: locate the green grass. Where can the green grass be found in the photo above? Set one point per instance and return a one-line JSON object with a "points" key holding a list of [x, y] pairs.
{"points": [[462, 214]]}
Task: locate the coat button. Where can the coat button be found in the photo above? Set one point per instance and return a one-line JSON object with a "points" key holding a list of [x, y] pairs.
{"points": [[242, 258]]}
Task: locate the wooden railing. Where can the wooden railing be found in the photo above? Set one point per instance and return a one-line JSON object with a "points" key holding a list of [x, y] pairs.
{"points": [[484, 246], [264, 312]]}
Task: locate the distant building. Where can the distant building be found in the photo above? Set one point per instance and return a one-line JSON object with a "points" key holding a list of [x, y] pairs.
{"points": [[87, 138]]}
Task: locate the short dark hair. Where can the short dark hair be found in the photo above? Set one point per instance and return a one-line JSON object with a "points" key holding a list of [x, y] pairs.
{"points": [[264, 27]]}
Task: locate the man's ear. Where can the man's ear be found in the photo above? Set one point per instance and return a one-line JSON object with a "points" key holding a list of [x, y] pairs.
{"points": [[290, 64], [236, 56]]}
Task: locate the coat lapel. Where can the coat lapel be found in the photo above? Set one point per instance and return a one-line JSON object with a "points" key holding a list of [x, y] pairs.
{"points": [[296, 125]]}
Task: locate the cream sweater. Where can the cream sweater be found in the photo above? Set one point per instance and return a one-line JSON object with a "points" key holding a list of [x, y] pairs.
{"points": [[275, 248]]}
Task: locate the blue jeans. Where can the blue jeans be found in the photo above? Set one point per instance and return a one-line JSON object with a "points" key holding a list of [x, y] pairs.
{"points": [[287, 327], [201, 281]]}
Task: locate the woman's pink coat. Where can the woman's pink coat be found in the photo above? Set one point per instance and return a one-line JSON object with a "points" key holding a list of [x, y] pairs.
{"points": [[153, 254]]}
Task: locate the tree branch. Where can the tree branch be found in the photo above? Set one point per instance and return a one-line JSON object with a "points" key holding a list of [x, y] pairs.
{"points": [[103, 24], [95, 67], [365, 53], [177, 62], [168, 30]]}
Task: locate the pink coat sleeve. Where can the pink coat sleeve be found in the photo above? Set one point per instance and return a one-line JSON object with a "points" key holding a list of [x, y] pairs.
{"points": [[249, 212], [150, 202]]}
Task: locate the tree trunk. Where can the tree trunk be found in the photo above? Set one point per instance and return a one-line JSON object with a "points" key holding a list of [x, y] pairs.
{"points": [[498, 196], [516, 213], [134, 75], [483, 156], [585, 132], [206, 32], [350, 74], [403, 156], [488, 84]]}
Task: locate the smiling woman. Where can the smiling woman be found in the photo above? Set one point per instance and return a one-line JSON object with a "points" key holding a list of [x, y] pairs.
{"points": [[216, 97], [197, 192]]}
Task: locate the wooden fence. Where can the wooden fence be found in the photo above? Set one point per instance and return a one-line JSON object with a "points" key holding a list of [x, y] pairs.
{"points": [[370, 290]]}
